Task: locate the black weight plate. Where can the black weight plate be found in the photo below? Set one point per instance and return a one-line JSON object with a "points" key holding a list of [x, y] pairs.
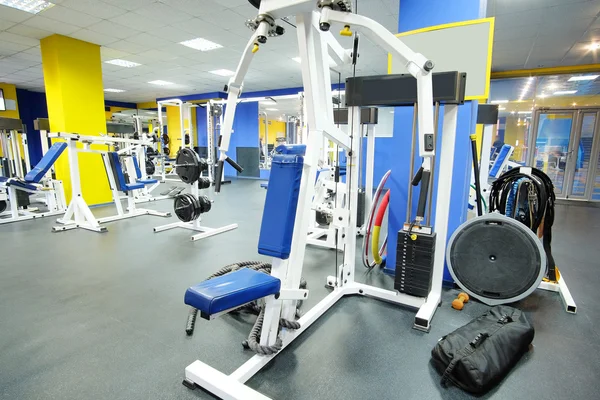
{"points": [[165, 139], [184, 207], [150, 152], [496, 259], [150, 167], [203, 183], [3, 205], [166, 150], [187, 165], [205, 204]]}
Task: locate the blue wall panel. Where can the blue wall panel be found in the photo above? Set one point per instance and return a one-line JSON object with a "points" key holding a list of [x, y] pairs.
{"points": [[201, 126], [32, 105], [245, 131], [417, 14]]}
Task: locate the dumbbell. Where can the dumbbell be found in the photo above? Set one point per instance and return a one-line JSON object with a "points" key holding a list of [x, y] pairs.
{"points": [[460, 301]]}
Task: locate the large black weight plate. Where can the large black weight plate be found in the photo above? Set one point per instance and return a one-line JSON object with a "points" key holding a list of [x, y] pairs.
{"points": [[184, 207], [150, 167], [187, 165], [496, 259], [3, 205], [166, 151]]}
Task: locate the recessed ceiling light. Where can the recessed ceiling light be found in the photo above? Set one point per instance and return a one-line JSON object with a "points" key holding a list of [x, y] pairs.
{"points": [[297, 59], [512, 112], [524, 112], [565, 92], [30, 6], [201, 44], [268, 103], [594, 46], [574, 104], [160, 83], [583, 78], [499, 101], [542, 96], [271, 109], [222, 72], [501, 108], [114, 90], [123, 63]]}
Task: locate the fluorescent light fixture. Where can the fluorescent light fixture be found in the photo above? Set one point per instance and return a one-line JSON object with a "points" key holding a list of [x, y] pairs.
{"points": [[201, 44], [30, 6], [222, 72], [109, 90], [542, 96], [268, 103], [512, 112], [524, 112], [271, 109], [501, 108], [499, 101], [160, 83], [123, 63], [594, 46], [583, 78], [297, 59], [565, 92]]}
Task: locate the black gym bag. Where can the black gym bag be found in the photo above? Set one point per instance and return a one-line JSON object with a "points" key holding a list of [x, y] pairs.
{"points": [[477, 356]]}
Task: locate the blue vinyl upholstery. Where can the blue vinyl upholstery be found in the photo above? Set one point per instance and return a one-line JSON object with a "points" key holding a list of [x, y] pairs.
{"points": [[502, 154], [277, 227], [138, 174], [37, 173], [21, 185], [231, 291], [122, 185]]}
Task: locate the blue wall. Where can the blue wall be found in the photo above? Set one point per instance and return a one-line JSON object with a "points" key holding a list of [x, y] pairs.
{"points": [[32, 105], [417, 14]]}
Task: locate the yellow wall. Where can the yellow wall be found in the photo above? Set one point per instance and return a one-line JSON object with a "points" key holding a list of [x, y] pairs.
{"points": [[174, 128], [276, 128], [108, 114], [75, 98], [10, 93], [147, 105]]}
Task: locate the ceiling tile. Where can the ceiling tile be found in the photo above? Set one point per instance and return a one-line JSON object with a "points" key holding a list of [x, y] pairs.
{"points": [[172, 33], [127, 4], [4, 25], [97, 8], [94, 37], [64, 14], [113, 29], [145, 39], [163, 12], [129, 47], [134, 21], [29, 31], [14, 15], [51, 25], [11, 37]]}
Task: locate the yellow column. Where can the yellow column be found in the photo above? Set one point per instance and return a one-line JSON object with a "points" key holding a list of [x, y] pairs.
{"points": [[174, 130], [75, 98]]}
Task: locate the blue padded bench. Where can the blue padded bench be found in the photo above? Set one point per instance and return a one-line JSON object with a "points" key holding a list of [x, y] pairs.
{"points": [[122, 185], [37, 173], [502, 154], [230, 291], [138, 174]]}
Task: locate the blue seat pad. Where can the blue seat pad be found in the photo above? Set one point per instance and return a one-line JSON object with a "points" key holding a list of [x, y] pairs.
{"points": [[20, 184], [231, 290], [43, 166], [147, 181]]}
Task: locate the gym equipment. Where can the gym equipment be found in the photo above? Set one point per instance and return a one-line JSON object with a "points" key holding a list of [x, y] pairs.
{"points": [[150, 167], [189, 207], [189, 166], [12, 137], [38, 181], [290, 191], [460, 301], [368, 228], [187, 139], [477, 356], [203, 183], [166, 151], [496, 259], [79, 214]]}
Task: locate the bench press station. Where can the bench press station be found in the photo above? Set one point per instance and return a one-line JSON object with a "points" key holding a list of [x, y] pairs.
{"points": [[78, 214], [284, 227]]}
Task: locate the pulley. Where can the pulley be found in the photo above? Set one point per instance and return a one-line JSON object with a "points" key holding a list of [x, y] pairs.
{"points": [[187, 139], [496, 259], [166, 151], [323, 218], [3, 205], [189, 207], [150, 167], [189, 166]]}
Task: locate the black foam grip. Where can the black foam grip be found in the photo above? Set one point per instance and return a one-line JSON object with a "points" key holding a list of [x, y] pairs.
{"points": [[423, 193], [477, 182], [235, 165], [417, 177], [218, 176]]}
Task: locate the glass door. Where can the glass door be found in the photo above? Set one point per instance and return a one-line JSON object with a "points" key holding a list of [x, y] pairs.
{"points": [[582, 162], [553, 132]]}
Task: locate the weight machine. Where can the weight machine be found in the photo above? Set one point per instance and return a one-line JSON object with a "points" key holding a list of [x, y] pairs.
{"points": [[78, 214], [189, 206], [295, 186], [13, 164], [214, 122], [38, 185]]}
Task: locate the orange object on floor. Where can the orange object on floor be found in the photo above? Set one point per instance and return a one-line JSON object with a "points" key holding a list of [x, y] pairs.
{"points": [[459, 302]]}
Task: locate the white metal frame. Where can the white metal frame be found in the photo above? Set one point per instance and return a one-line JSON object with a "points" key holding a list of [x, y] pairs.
{"points": [[313, 46], [78, 214], [49, 192]]}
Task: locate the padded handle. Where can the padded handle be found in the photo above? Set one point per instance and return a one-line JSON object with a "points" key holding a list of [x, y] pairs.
{"points": [[417, 177], [218, 176], [235, 165], [425, 175]]}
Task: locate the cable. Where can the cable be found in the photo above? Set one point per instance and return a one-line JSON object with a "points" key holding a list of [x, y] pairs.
{"points": [[365, 249], [379, 219]]}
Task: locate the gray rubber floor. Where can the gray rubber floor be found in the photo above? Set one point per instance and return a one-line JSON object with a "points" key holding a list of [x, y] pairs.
{"points": [[101, 316]]}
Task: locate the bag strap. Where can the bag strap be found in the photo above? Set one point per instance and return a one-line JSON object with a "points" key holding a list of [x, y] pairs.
{"points": [[462, 353]]}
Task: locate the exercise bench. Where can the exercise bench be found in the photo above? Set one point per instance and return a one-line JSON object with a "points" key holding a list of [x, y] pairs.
{"points": [[37, 181]]}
